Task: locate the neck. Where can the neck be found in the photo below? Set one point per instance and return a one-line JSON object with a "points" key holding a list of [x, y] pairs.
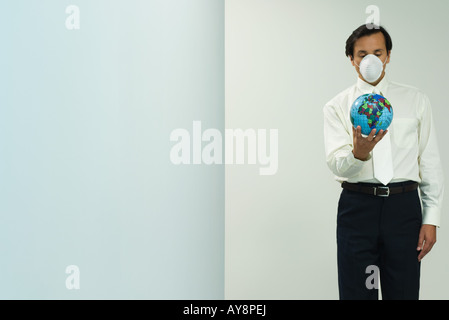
{"points": [[376, 82]]}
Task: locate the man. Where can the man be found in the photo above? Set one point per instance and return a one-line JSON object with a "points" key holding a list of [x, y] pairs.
{"points": [[389, 225]]}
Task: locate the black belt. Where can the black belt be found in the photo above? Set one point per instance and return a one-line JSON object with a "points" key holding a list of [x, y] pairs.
{"points": [[381, 190]]}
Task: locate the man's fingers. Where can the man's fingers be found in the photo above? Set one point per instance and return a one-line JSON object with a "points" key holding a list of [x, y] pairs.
{"points": [[371, 135], [424, 246], [379, 136], [420, 241], [425, 249], [426, 239], [420, 245], [359, 131], [421, 255]]}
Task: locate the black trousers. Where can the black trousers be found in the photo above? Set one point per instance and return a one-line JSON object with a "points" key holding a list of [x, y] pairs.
{"points": [[378, 236]]}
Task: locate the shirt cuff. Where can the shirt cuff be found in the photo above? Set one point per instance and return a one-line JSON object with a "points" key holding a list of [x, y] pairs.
{"points": [[431, 215]]}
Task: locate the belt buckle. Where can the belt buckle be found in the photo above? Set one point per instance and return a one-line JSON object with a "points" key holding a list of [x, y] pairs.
{"points": [[386, 189]]}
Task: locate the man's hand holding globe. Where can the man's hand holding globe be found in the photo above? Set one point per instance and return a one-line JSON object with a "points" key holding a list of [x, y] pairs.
{"points": [[362, 146]]}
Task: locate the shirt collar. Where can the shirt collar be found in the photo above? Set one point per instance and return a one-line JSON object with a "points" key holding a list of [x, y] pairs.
{"points": [[365, 87]]}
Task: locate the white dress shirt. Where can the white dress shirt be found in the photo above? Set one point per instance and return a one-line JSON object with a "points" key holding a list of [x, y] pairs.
{"points": [[413, 142]]}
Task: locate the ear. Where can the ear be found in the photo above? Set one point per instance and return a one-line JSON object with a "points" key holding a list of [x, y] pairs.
{"points": [[388, 56], [352, 60]]}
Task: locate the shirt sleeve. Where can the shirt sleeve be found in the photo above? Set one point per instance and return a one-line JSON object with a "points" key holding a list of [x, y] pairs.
{"points": [[338, 145], [430, 169]]}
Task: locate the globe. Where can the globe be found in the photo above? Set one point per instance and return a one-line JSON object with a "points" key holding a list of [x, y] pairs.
{"points": [[371, 111]]}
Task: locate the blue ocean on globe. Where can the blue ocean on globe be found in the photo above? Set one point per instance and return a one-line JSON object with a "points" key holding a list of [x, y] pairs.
{"points": [[371, 111]]}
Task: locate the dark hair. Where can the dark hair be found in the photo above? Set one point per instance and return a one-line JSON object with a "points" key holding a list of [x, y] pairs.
{"points": [[364, 31]]}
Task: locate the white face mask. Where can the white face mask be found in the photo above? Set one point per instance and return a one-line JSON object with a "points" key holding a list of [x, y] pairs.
{"points": [[371, 68]]}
